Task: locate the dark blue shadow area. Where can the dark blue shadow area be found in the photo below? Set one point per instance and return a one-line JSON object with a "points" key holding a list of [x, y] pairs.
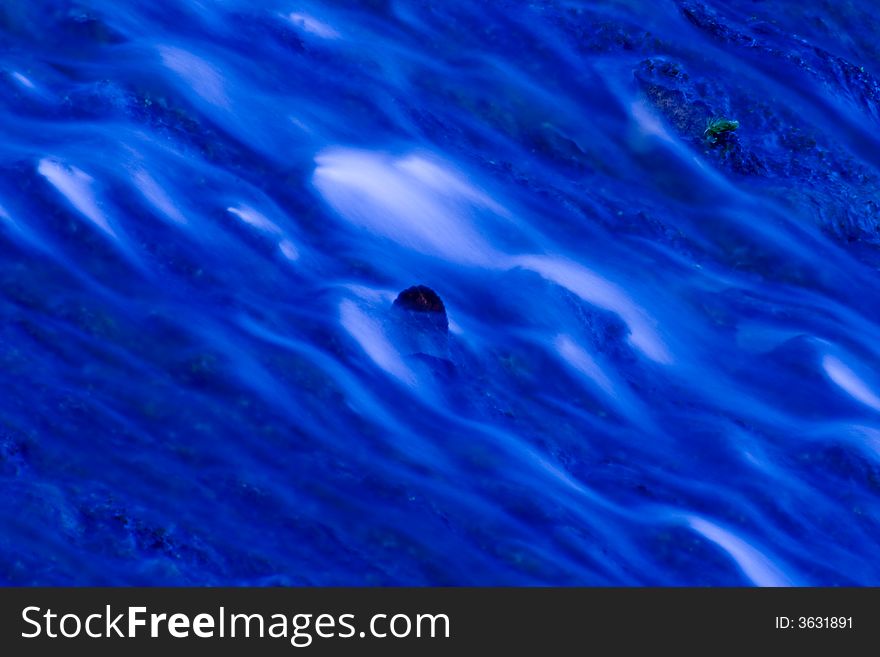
{"points": [[654, 233]]}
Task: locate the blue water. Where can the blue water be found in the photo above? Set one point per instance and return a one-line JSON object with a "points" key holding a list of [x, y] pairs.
{"points": [[663, 358]]}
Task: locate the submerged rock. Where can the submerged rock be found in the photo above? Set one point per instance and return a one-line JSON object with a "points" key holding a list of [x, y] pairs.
{"points": [[775, 149], [420, 322]]}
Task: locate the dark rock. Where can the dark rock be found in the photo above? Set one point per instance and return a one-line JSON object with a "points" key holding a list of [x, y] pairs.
{"points": [[420, 322], [422, 299]]}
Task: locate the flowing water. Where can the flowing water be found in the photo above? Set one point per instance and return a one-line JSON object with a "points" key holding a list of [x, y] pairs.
{"points": [[663, 358]]}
